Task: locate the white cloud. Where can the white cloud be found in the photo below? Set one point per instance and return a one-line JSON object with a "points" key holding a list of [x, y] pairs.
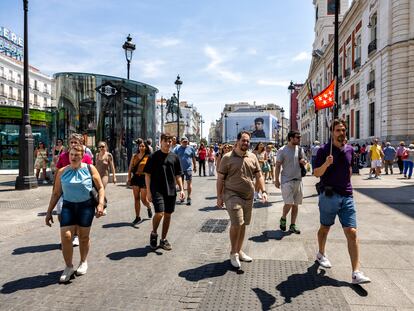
{"points": [[281, 83], [302, 56], [151, 69], [252, 51], [215, 66], [166, 42]]}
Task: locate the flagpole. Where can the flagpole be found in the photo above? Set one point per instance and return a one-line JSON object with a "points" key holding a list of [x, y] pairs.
{"points": [[334, 109]]}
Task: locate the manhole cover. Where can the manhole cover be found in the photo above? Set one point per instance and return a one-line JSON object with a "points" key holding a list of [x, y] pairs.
{"points": [[215, 225], [273, 285]]}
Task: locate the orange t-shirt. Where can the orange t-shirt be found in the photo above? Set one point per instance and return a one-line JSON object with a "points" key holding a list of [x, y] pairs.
{"points": [[139, 167]]}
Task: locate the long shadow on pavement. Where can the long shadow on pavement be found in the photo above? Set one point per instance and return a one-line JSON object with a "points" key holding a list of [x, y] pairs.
{"points": [[136, 252], [259, 204], [297, 284], [399, 198], [268, 235], [210, 208], [207, 271], [36, 249], [267, 300], [122, 224], [211, 198], [31, 282]]}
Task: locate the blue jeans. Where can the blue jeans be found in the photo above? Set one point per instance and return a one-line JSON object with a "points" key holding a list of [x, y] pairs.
{"points": [[408, 166], [343, 206]]}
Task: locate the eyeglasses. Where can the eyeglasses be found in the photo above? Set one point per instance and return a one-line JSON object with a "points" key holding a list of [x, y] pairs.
{"points": [[101, 147]]}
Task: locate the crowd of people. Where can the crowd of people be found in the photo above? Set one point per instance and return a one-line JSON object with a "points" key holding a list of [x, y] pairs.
{"points": [[158, 177]]}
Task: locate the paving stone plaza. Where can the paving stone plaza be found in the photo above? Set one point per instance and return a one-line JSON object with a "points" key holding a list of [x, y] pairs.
{"points": [[125, 274]]}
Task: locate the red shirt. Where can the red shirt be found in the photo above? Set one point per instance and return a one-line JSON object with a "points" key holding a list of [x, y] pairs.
{"points": [[64, 159], [202, 154]]}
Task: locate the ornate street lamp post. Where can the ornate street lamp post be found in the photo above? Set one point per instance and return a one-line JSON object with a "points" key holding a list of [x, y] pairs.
{"points": [[26, 179], [178, 84], [237, 128], [129, 48], [282, 111]]}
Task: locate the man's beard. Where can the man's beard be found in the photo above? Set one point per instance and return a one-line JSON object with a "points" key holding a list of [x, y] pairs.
{"points": [[244, 147], [341, 139]]}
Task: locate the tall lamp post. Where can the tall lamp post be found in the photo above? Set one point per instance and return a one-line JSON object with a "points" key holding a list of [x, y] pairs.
{"points": [[282, 111], [237, 128], [178, 84], [129, 48], [201, 127], [26, 179], [225, 127], [291, 89]]}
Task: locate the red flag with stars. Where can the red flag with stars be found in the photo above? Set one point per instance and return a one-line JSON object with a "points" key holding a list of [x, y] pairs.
{"points": [[326, 98]]}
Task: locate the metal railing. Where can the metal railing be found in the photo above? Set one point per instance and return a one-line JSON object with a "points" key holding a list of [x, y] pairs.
{"points": [[371, 85], [356, 96], [357, 63], [372, 46]]}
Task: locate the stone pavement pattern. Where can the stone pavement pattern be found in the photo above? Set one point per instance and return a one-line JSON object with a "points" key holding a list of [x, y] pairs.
{"points": [[124, 274]]}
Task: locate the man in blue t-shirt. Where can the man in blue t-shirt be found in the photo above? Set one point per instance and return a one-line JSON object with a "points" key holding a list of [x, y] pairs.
{"points": [[187, 157], [333, 164]]}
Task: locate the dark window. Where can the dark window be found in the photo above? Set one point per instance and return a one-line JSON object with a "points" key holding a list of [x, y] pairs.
{"points": [[316, 13], [357, 120], [331, 7], [347, 125], [372, 119]]}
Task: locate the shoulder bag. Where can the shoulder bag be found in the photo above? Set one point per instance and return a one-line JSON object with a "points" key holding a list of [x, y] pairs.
{"points": [[94, 192]]}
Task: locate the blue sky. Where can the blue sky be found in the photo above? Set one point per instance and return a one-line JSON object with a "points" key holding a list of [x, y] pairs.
{"points": [[225, 51]]}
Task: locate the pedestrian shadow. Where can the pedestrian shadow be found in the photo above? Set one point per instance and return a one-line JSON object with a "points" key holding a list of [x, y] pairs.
{"points": [[259, 204], [136, 252], [36, 249], [41, 214], [207, 271], [267, 300], [210, 208], [31, 282], [268, 235], [211, 198], [299, 283], [121, 224]]}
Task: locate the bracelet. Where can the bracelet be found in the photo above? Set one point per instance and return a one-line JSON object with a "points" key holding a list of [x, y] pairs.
{"points": [[264, 191]]}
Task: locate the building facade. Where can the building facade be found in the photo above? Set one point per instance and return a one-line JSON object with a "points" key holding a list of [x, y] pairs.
{"points": [[41, 104], [375, 74]]}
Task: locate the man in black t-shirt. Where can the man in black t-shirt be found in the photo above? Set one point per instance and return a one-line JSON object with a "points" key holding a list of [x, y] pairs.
{"points": [[162, 173]]}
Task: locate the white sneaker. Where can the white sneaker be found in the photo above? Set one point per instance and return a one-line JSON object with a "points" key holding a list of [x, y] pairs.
{"points": [[323, 261], [234, 259], [66, 275], [244, 257], [83, 267], [45, 182], [75, 241], [359, 278], [259, 196]]}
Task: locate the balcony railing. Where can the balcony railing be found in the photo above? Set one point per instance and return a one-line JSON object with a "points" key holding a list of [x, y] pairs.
{"points": [[339, 80], [357, 63], [46, 91], [372, 46], [356, 96], [346, 102], [2, 94], [347, 72], [3, 76], [12, 79], [371, 85]]}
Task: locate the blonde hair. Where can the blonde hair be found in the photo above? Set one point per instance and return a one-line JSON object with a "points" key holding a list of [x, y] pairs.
{"points": [[77, 148], [103, 143], [78, 137]]}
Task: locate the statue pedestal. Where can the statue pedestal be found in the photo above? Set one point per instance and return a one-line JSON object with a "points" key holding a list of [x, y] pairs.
{"points": [[171, 127]]}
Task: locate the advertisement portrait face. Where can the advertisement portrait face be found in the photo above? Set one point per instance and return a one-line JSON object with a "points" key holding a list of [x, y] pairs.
{"points": [[260, 125]]}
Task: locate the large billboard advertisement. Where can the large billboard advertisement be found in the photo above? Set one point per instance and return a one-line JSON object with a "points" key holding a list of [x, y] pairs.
{"points": [[263, 127]]}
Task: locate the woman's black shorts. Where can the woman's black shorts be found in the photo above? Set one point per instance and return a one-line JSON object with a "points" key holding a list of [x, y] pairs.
{"points": [[138, 181]]}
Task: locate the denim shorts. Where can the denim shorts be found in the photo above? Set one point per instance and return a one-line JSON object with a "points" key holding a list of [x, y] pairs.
{"points": [[343, 206], [187, 175], [77, 213]]}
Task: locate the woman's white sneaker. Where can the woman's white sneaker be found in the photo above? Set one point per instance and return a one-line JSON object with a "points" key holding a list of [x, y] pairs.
{"points": [[82, 269], [66, 275], [234, 260], [359, 278], [323, 261], [244, 257]]}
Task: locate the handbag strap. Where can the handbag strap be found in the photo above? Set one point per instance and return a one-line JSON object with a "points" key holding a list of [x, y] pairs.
{"points": [[90, 172]]}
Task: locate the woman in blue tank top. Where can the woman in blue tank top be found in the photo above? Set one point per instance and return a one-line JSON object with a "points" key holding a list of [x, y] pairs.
{"points": [[74, 183]]}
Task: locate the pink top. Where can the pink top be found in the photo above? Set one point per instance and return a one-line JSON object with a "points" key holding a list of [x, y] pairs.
{"points": [[400, 151], [64, 159]]}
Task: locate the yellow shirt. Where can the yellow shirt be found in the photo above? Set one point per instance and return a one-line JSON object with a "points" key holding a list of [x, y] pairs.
{"points": [[375, 152]]}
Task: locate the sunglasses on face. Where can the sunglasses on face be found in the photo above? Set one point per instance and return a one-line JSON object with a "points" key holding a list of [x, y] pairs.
{"points": [[101, 147]]}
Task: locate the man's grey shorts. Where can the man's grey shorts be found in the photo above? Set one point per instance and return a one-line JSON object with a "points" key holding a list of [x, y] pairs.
{"points": [[292, 192]]}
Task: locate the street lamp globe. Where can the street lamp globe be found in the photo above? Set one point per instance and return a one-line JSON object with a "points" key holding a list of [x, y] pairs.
{"points": [[129, 48], [178, 83], [291, 87]]}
